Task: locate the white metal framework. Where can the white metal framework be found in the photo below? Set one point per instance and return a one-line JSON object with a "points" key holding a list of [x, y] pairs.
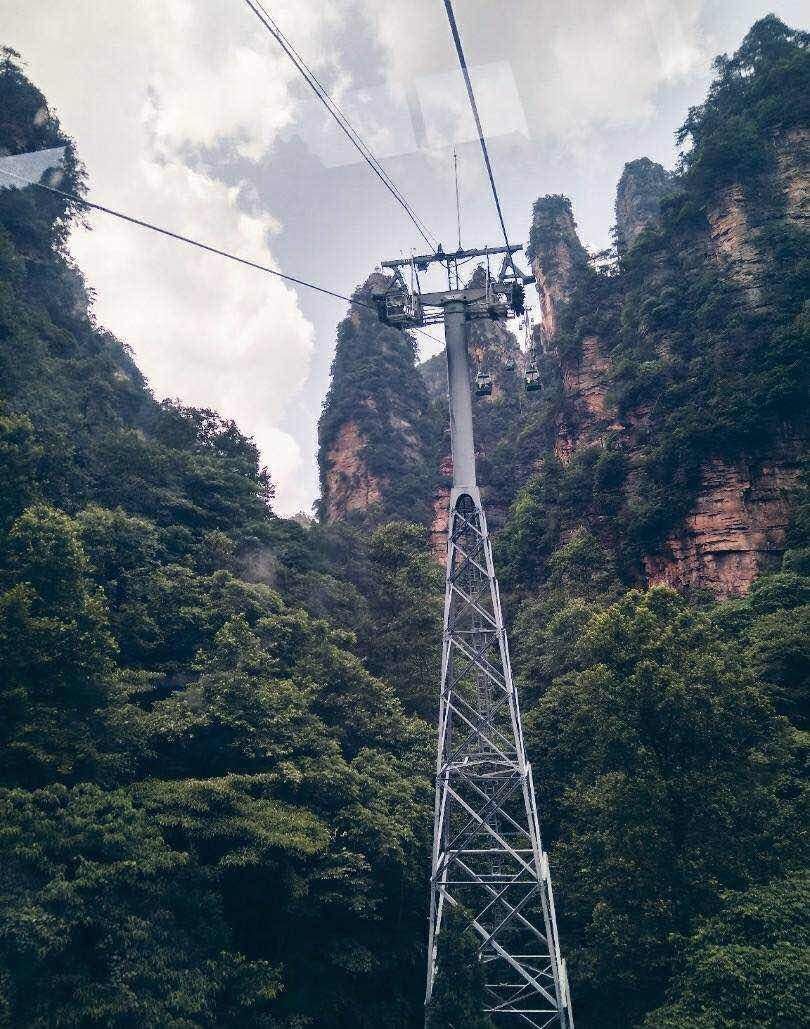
{"points": [[488, 860], [487, 854]]}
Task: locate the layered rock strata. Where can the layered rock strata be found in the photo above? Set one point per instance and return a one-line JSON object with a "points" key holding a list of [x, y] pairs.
{"points": [[735, 531]]}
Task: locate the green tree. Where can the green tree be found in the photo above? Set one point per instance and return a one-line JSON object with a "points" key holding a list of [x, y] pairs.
{"points": [[56, 653], [19, 454], [288, 761], [667, 779], [118, 924], [405, 615], [747, 965], [459, 997], [581, 580]]}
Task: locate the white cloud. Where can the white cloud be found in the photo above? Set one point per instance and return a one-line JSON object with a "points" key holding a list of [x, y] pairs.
{"points": [[446, 108], [141, 86], [146, 85], [610, 63], [213, 333], [581, 66]]}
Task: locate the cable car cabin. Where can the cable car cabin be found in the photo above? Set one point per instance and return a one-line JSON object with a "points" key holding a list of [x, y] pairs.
{"points": [[509, 365], [399, 308], [483, 384], [532, 379]]}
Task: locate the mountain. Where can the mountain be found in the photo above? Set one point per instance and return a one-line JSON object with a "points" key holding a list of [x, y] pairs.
{"points": [[384, 432], [650, 511], [376, 435], [213, 813], [216, 725], [683, 359], [675, 384]]}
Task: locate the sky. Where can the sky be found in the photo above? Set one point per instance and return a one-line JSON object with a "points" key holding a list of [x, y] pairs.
{"points": [[187, 113]]}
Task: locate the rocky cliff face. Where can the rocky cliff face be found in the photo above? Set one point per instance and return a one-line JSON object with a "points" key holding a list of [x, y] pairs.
{"points": [[672, 370], [741, 219], [587, 418], [736, 529], [560, 266], [349, 486], [557, 258], [377, 438], [638, 199], [736, 526]]}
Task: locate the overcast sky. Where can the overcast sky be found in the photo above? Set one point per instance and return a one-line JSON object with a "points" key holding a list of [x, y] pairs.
{"points": [[186, 113]]}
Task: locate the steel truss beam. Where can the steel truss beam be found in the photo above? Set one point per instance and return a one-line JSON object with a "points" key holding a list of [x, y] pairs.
{"points": [[488, 860]]}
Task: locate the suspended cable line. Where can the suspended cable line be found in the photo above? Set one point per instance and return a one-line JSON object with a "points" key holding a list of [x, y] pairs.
{"points": [[458, 212], [90, 205], [176, 235], [337, 114], [458, 204], [448, 6]]}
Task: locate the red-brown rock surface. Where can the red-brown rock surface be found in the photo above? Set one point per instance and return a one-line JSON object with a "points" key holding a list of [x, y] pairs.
{"points": [[735, 531], [557, 257], [441, 514], [587, 418], [350, 487], [638, 199], [736, 528]]}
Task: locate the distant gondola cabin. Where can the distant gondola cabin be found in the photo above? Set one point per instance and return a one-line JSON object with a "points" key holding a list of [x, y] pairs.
{"points": [[532, 379], [483, 384]]}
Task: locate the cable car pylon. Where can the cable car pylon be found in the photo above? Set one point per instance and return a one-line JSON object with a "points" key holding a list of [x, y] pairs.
{"points": [[488, 861]]}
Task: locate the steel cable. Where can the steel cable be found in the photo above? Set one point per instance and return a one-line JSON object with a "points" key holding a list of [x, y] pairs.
{"points": [[343, 122]]}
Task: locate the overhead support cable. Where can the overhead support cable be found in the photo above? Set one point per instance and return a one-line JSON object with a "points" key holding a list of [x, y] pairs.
{"points": [[448, 6], [175, 235], [458, 203], [90, 205], [337, 114]]}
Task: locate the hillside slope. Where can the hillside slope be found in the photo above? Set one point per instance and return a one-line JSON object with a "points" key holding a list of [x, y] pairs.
{"points": [[215, 741], [213, 813]]}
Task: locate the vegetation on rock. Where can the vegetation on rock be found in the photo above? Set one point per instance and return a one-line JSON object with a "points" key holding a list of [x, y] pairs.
{"points": [[699, 368], [377, 391], [215, 749]]}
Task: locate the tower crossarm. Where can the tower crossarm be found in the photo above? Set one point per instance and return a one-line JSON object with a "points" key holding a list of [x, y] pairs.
{"points": [[422, 261]]}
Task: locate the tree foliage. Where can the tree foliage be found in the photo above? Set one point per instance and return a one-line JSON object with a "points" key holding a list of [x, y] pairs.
{"points": [[667, 779], [214, 759], [458, 991], [746, 965], [213, 812]]}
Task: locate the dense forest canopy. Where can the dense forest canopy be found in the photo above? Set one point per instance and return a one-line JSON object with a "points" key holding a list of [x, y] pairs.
{"points": [[213, 813], [216, 732]]}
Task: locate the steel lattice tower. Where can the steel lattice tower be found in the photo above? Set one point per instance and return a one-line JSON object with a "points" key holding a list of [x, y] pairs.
{"points": [[488, 859]]}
